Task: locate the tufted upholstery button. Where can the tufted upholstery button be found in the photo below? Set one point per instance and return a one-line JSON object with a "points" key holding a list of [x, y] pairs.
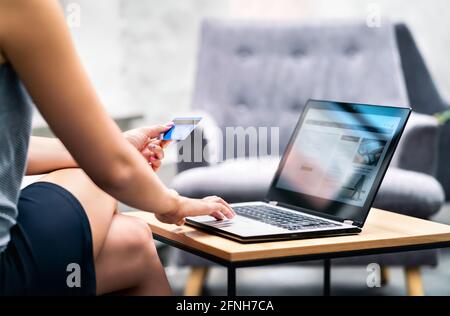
{"points": [[351, 50], [241, 103], [295, 105], [244, 52], [298, 52]]}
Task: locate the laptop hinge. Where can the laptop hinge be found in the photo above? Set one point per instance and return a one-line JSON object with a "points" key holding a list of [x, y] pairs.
{"points": [[348, 222], [274, 203]]}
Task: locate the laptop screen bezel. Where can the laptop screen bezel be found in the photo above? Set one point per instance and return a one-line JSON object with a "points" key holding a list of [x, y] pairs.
{"points": [[296, 200]]}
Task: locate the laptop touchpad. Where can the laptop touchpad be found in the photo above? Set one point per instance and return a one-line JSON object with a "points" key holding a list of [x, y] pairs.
{"points": [[239, 225]]}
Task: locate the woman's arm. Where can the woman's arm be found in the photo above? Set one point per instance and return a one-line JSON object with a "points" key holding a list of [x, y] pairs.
{"points": [[35, 39], [49, 154], [46, 155]]}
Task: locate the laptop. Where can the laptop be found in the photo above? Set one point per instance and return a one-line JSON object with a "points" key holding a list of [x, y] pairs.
{"points": [[327, 179]]}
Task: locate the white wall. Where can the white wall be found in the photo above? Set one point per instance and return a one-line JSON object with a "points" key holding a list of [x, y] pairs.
{"points": [[142, 53], [98, 42], [159, 41]]}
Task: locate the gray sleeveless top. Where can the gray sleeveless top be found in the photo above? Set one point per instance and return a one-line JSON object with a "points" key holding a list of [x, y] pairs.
{"points": [[15, 130]]}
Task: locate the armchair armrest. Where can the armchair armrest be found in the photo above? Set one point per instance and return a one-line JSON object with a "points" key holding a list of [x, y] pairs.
{"points": [[418, 148], [444, 116]]}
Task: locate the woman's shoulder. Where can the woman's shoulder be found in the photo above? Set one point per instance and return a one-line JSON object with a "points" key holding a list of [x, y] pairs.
{"points": [[10, 10]]}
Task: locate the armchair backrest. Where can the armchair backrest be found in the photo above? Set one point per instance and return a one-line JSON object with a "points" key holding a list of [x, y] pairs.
{"points": [[262, 73], [423, 94]]}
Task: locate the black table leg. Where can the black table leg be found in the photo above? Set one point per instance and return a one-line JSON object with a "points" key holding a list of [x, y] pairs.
{"points": [[231, 281], [326, 277]]}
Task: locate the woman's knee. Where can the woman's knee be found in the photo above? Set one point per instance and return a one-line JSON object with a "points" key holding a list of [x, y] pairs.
{"points": [[129, 256], [140, 240]]}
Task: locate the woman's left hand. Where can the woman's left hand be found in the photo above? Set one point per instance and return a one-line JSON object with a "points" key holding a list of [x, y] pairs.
{"points": [[154, 153], [146, 141]]}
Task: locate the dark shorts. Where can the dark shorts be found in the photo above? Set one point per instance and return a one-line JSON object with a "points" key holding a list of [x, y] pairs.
{"points": [[50, 252]]}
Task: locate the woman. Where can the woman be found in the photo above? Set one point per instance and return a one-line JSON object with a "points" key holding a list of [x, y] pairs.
{"points": [[70, 215]]}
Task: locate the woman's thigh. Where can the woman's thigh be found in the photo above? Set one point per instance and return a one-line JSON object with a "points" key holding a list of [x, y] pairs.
{"points": [[124, 251], [129, 260], [98, 205]]}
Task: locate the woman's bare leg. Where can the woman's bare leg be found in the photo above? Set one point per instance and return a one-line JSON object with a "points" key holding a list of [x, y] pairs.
{"points": [[128, 263], [124, 252]]}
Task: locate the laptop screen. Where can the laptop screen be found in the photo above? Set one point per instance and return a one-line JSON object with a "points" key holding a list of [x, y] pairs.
{"points": [[337, 158]]}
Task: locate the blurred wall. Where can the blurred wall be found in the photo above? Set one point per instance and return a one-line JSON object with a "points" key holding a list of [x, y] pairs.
{"points": [[141, 53], [98, 42]]}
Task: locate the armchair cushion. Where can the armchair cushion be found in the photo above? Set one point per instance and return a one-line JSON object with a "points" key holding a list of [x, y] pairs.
{"points": [[418, 148], [410, 193], [237, 180], [406, 192]]}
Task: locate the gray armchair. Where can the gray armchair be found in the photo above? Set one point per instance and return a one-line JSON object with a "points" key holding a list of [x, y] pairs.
{"points": [[425, 97], [262, 74]]}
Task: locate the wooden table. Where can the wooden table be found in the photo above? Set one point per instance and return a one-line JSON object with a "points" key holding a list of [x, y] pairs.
{"points": [[384, 232]]}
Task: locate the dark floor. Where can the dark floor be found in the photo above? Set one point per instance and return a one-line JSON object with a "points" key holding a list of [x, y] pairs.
{"points": [[293, 280]]}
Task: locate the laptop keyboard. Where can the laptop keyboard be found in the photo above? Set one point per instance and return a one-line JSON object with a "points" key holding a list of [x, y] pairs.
{"points": [[283, 219]]}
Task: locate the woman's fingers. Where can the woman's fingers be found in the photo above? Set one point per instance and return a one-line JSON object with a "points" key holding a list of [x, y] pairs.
{"points": [[156, 130], [217, 199], [146, 153], [208, 206], [151, 158], [156, 163], [212, 206], [221, 210], [218, 215], [156, 150], [141, 137], [153, 154], [164, 143], [159, 142], [222, 201]]}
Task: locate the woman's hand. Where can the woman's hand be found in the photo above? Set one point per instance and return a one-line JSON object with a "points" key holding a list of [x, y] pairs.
{"points": [[141, 137], [145, 140], [211, 205], [154, 153]]}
